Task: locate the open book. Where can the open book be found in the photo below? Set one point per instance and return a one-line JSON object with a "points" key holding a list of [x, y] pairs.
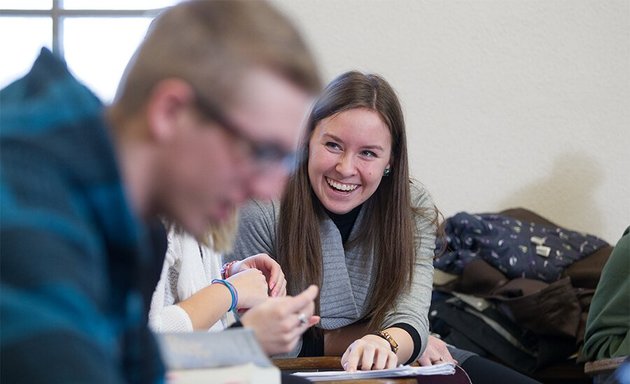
{"points": [[401, 371], [230, 356]]}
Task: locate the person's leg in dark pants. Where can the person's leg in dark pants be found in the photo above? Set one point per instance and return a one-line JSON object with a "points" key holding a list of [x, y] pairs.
{"points": [[484, 371]]}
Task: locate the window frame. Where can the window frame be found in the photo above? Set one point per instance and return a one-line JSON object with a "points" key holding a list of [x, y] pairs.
{"points": [[57, 13]]}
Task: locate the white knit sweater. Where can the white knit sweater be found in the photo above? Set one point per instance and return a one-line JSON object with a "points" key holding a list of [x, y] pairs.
{"points": [[188, 267]]}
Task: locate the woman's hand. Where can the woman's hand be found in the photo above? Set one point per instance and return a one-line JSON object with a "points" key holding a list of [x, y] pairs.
{"points": [[279, 322], [269, 267], [251, 287], [367, 353], [436, 353]]}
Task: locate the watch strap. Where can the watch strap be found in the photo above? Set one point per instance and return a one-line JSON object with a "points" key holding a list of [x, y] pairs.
{"points": [[385, 335]]}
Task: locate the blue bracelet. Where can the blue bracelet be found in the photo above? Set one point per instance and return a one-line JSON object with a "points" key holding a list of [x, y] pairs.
{"points": [[232, 290]]}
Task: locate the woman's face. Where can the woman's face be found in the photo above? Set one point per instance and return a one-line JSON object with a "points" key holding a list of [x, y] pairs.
{"points": [[348, 153]]}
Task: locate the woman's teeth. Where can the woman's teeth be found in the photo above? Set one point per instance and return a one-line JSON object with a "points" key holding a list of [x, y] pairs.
{"points": [[340, 186]]}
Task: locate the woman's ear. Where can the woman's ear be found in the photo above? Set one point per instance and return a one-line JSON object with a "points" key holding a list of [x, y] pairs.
{"points": [[169, 100], [388, 168]]}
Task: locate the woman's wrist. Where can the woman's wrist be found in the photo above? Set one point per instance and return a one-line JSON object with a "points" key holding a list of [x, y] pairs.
{"points": [[415, 337], [233, 292], [391, 342], [404, 341], [377, 339]]}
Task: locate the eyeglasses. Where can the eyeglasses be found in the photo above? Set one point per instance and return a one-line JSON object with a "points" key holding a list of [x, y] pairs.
{"points": [[265, 155]]}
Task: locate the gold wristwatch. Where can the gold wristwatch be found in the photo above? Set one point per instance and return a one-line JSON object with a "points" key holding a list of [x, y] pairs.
{"points": [[392, 343]]}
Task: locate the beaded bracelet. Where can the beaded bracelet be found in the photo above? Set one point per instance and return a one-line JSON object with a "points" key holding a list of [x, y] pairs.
{"points": [[385, 335], [225, 269], [232, 290]]}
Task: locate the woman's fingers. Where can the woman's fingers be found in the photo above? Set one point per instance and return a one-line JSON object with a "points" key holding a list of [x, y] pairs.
{"points": [[274, 275], [424, 360], [279, 286], [436, 353], [380, 360], [281, 290], [392, 360], [275, 280], [366, 355], [351, 360]]}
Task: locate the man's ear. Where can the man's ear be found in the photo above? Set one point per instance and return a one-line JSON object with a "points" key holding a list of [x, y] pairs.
{"points": [[169, 99]]}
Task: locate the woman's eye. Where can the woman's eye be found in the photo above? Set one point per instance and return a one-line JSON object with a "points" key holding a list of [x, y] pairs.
{"points": [[368, 154], [332, 145]]}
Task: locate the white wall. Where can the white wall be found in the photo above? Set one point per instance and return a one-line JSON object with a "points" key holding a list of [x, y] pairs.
{"points": [[508, 103]]}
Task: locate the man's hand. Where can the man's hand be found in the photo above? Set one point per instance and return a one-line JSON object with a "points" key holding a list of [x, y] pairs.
{"points": [[279, 322]]}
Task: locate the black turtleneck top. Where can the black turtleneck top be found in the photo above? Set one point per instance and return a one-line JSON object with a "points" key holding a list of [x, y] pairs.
{"points": [[345, 221]]}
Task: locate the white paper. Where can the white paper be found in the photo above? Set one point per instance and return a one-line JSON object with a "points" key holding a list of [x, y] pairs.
{"points": [[403, 370]]}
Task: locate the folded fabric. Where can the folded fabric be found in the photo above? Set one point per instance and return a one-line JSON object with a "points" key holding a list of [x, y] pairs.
{"points": [[515, 247]]}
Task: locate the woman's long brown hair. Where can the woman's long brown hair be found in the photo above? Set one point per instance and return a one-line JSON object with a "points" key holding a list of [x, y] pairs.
{"points": [[388, 225]]}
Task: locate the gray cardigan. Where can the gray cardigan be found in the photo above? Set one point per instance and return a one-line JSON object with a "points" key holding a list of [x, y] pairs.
{"points": [[347, 276]]}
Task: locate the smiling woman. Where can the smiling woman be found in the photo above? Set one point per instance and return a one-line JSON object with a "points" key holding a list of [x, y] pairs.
{"points": [[350, 218], [349, 153]]}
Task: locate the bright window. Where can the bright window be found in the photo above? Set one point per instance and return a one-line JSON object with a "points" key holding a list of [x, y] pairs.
{"points": [[117, 4], [25, 4], [96, 37], [100, 59], [19, 53]]}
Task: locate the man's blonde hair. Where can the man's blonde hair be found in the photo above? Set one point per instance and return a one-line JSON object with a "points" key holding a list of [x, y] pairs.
{"points": [[220, 237], [210, 44]]}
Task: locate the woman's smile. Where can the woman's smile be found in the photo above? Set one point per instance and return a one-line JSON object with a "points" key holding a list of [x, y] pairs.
{"points": [[341, 187]]}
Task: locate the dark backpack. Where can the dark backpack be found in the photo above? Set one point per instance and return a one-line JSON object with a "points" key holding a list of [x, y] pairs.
{"points": [[479, 326]]}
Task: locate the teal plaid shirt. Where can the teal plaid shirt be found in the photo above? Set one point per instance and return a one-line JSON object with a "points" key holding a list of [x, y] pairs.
{"points": [[76, 266]]}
